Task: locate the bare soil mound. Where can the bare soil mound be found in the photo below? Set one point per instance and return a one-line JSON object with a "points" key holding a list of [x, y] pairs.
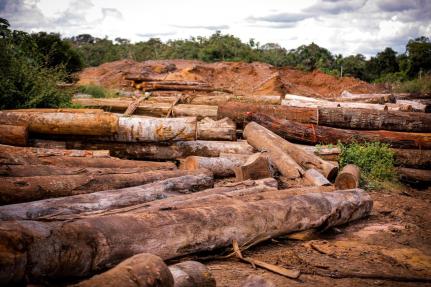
{"points": [[241, 78]]}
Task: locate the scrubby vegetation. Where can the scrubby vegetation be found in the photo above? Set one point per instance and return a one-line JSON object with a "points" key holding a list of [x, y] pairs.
{"points": [[96, 91], [376, 161]]}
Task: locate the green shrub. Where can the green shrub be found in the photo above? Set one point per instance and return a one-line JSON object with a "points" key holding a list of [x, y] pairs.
{"points": [[376, 161], [96, 91], [416, 86]]}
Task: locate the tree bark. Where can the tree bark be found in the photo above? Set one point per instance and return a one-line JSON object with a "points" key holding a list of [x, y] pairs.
{"points": [[348, 177], [224, 129], [221, 167], [38, 250], [366, 98], [416, 106], [414, 175], [257, 166], [23, 189], [265, 140], [375, 120], [304, 103], [168, 152], [141, 270], [192, 274], [65, 122], [100, 201], [316, 178], [312, 134], [14, 135]]}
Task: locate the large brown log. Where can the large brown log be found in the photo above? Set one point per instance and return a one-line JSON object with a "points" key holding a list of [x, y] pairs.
{"points": [[265, 140], [240, 112], [223, 129], [47, 152], [168, 152], [65, 122], [304, 159], [414, 175], [22, 189], [314, 134], [41, 250], [141, 270], [14, 135], [366, 119], [348, 177], [105, 200], [366, 98], [221, 167], [192, 274]]}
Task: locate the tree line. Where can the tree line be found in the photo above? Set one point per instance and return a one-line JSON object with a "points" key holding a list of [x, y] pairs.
{"points": [[32, 64]]}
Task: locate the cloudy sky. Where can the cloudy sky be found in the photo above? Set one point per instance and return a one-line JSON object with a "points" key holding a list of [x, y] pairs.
{"points": [[342, 26]]}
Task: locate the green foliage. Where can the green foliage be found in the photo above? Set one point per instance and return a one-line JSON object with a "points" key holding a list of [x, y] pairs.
{"points": [[419, 56], [376, 161], [416, 86], [96, 91]]}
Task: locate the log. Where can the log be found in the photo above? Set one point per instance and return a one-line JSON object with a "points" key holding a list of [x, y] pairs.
{"points": [[366, 98], [264, 140], [413, 175], [141, 270], [65, 122], [316, 178], [375, 120], [220, 166], [192, 274], [257, 281], [415, 158], [257, 166], [163, 87], [23, 189], [348, 177], [304, 159], [81, 247], [313, 134], [146, 129], [48, 152], [172, 151], [184, 182], [329, 153], [224, 129], [416, 105], [14, 135], [240, 112], [305, 103]]}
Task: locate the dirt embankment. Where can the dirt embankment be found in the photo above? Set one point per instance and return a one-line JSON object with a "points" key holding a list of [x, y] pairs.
{"points": [[241, 78]]}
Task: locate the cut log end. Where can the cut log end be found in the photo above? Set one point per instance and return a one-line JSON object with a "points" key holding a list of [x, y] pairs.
{"points": [[192, 274], [348, 178]]}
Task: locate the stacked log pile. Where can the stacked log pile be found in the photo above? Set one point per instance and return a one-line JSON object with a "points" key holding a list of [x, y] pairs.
{"points": [[76, 184]]}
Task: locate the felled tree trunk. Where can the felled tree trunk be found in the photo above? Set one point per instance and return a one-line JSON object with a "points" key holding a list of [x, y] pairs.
{"points": [[37, 250], [348, 177], [328, 104], [192, 274], [48, 152], [415, 158], [101, 201], [22, 189], [266, 141], [416, 105], [63, 121], [314, 134], [141, 270], [221, 167], [255, 167], [14, 135], [366, 119], [224, 129], [316, 178], [414, 175], [366, 98], [168, 152]]}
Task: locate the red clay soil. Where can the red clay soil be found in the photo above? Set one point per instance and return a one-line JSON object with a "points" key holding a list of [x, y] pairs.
{"points": [[241, 78]]}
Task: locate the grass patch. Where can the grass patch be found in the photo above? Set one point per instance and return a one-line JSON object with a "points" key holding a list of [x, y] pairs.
{"points": [[376, 161], [96, 91]]}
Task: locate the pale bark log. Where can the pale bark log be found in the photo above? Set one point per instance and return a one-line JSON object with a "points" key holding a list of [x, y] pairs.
{"points": [[192, 274], [348, 177], [224, 129], [264, 140], [316, 178], [172, 151], [366, 98], [65, 122], [22, 189], [257, 166], [183, 182], [414, 175], [329, 104], [314, 134], [416, 106], [141, 270], [221, 167], [37, 250], [14, 135]]}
